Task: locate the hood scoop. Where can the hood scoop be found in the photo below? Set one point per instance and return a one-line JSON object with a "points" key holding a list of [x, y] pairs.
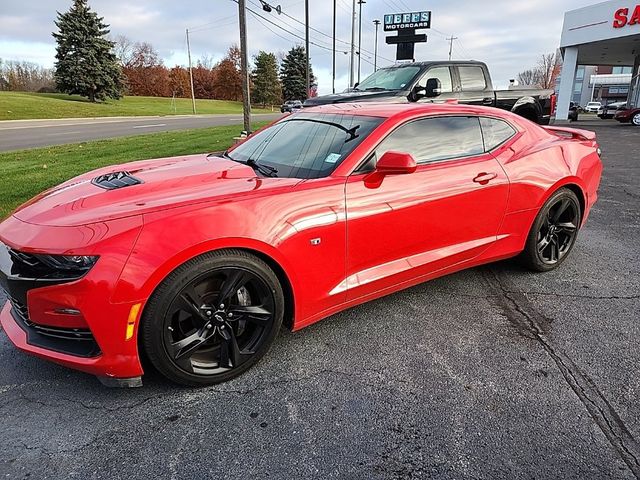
{"points": [[115, 180]]}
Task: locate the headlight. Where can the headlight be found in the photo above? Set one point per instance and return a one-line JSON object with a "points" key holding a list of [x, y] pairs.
{"points": [[74, 263]]}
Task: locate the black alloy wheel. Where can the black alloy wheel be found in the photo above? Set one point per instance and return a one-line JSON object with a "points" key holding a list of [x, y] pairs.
{"points": [[213, 318], [554, 232]]}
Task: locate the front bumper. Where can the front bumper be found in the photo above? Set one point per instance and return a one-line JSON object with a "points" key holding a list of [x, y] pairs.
{"points": [[74, 323], [101, 365]]}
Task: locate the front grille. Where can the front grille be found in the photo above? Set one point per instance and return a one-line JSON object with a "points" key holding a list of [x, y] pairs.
{"points": [[73, 341], [19, 309], [112, 181]]}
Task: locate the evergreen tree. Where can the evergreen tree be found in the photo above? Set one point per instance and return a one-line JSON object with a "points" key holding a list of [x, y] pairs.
{"points": [[85, 62], [293, 74], [266, 84]]}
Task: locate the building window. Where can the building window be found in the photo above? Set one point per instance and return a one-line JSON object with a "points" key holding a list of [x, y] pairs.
{"points": [[577, 88], [622, 70]]}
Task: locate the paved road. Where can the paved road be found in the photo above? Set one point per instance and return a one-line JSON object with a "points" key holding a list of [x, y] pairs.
{"points": [[15, 135], [492, 373]]}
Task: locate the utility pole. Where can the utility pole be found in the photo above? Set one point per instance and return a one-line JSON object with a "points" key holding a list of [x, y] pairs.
{"points": [[360, 3], [246, 101], [352, 63], [193, 93], [306, 41], [451, 39], [333, 81], [375, 47]]}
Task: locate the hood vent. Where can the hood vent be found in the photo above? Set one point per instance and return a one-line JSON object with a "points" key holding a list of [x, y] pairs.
{"points": [[112, 181]]}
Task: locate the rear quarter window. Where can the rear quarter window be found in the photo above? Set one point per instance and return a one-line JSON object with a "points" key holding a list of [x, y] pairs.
{"points": [[472, 78], [495, 132]]}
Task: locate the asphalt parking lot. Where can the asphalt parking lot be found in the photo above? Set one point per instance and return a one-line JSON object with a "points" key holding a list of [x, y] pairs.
{"points": [[490, 373]]}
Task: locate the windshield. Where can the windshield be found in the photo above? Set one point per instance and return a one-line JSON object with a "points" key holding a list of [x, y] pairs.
{"points": [[389, 79], [306, 145]]}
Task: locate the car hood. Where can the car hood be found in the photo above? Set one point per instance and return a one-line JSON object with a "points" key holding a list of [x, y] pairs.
{"points": [[355, 96], [165, 183]]}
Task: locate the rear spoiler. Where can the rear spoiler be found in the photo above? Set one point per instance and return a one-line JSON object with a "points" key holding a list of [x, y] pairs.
{"points": [[573, 133]]}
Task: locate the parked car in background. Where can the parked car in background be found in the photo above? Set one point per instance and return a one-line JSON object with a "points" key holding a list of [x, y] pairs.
{"points": [[291, 106], [438, 81], [628, 115], [592, 107], [608, 111], [195, 262]]}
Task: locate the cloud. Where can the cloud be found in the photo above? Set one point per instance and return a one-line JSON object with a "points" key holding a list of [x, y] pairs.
{"points": [[508, 35]]}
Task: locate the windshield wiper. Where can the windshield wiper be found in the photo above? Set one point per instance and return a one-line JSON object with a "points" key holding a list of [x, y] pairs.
{"points": [[376, 89], [265, 170]]}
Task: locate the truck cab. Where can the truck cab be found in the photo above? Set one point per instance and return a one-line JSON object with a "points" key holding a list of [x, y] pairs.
{"points": [[468, 82]]}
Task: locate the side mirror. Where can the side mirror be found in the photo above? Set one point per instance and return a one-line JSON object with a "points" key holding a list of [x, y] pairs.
{"points": [[433, 88], [396, 163], [355, 85]]}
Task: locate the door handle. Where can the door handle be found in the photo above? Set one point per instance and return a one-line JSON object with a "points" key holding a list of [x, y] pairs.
{"points": [[484, 178], [487, 101]]}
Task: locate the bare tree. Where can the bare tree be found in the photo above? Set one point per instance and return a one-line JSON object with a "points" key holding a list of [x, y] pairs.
{"points": [[547, 70], [544, 74], [206, 61], [123, 49], [528, 77]]}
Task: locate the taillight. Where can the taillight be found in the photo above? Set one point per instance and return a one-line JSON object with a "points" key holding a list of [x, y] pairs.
{"points": [[554, 103]]}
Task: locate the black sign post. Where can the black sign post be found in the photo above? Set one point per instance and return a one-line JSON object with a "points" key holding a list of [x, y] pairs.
{"points": [[406, 24]]}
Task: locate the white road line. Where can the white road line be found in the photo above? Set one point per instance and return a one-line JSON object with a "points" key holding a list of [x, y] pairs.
{"points": [[63, 133], [150, 126]]}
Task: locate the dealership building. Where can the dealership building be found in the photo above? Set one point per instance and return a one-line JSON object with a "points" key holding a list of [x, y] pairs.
{"points": [[606, 34]]}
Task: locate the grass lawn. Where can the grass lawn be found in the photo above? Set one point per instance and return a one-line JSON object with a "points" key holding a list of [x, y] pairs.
{"points": [[22, 105], [25, 173]]}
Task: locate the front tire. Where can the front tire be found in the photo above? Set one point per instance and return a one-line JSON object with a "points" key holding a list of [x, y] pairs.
{"points": [[554, 232], [212, 318], [636, 120]]}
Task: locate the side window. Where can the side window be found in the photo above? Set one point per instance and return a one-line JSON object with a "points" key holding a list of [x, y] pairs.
{"points": [[472, 78], [441, 73], [434, 139], [495, 132]]}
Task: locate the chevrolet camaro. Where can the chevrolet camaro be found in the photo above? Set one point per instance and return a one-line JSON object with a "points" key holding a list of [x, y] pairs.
{"points": [[195, 262]]}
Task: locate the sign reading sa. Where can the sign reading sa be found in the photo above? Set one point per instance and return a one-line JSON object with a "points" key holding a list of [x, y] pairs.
{"points": [[403, 21], [621, 18]]}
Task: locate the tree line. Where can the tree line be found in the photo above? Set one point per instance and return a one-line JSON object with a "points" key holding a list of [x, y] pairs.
{"points": [[91, 64], [544, 73]]}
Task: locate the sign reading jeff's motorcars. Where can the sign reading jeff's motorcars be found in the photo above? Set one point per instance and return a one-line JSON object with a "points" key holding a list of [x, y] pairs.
{"points": [[401, 21]]}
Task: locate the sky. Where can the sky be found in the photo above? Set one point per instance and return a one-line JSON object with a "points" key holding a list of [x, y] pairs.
{"points": [[509, 36]]}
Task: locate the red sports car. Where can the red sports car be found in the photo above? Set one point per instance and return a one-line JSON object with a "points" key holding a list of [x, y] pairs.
{"points": [[197, 261], [628, 115]]}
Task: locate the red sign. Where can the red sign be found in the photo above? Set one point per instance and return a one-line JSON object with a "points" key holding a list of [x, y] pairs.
{"points": [[621, 18]]}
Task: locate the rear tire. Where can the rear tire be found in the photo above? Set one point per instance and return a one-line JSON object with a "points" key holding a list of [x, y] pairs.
{"points": [[554, 232], [212, 318]]}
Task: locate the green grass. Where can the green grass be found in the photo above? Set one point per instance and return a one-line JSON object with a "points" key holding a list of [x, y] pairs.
{"points": [[25, 173], [21, 106]]}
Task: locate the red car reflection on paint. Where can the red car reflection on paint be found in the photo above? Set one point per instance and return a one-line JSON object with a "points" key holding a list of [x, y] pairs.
{"points": [[197, 261]]}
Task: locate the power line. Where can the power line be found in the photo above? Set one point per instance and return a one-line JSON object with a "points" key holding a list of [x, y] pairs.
{"points": [[255, 14], [344, 42]]}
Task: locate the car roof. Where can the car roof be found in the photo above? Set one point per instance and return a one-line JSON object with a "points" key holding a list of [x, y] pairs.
{"points": [[433, 62], [389, 110]]}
